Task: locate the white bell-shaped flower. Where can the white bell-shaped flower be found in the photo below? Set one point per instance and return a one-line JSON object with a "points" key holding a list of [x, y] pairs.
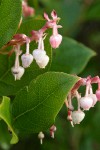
{"points": [[86, 102], [27, 58], [40, 55], [43, 63], [94, 98], [17, 72], [77, 116]]}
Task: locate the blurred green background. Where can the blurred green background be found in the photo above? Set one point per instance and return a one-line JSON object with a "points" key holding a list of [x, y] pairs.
{"points": [[80, 20]]}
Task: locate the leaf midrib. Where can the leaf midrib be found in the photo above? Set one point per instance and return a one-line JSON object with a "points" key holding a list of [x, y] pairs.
{"points": [[32, 109]]}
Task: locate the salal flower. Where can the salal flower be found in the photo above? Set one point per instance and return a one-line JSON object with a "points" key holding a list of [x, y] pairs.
{"points": [[86, 102], [55, 39], [77, 116], [94, 98], [69, 117], [27, 58], [40, 55], [17, 70]]}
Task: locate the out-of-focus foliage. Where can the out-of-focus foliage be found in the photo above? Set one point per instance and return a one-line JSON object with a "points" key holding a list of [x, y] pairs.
{"points": [[68, 51]]}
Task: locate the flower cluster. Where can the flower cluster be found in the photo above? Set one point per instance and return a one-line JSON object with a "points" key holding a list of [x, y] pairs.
{"points": [[39, 54], [84, 102]]}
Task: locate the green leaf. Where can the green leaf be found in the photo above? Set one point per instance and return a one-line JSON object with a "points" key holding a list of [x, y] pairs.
{"points": [[6, 116], [10, 14], [7, 84], [5, 137], [35, 107], [71, 57]]}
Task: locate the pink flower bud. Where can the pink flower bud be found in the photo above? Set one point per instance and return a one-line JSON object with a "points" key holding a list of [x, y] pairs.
{"points": [[26, 60], [69, 117], [77, 116], [98, 94], [86, 102], [52, 130], [55, 40]]}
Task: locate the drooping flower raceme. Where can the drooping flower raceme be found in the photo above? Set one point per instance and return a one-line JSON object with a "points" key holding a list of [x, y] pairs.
{"points": [[85, 103], [39, 54]]}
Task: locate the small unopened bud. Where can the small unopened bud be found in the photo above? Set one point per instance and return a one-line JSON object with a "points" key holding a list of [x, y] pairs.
{"points": [[26, 60], [86, 102], [98, 94], [77, 116], [17, 72], [52, 131], [69, 117], [55, 40], [41, 137]]}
